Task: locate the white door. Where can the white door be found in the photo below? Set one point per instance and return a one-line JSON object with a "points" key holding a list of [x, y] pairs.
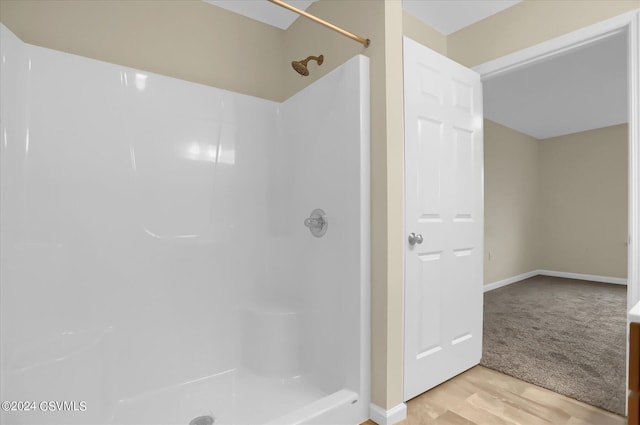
{"points": [[444, 209]]}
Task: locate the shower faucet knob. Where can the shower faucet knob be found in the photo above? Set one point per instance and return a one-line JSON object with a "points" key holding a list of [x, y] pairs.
{"points": [[317, 223]]}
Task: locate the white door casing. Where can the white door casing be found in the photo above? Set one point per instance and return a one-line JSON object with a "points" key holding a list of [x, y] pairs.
{"points": [[444, 204]]}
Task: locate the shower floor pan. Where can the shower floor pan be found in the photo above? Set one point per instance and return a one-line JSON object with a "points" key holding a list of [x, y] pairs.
{"points": [[231, 398]]}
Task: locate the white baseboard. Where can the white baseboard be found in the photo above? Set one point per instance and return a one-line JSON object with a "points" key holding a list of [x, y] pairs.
{"points": [[509, 280], [579, 276], [388, 417]]}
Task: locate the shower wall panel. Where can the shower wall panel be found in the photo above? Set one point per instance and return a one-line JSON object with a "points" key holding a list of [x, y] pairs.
{"points": [[153, 255], [323, 131], [129, 205]]}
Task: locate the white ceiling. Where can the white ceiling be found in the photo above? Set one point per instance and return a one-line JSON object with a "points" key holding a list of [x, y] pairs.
{"points": [[449, 16], [263, 11], [581, 90]]}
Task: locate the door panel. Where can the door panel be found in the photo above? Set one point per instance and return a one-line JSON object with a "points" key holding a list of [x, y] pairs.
{"points": [[430, 136], [443, 203]]}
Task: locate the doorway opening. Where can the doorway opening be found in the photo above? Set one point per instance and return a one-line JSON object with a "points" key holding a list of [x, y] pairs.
{"points": [[610, 124]]}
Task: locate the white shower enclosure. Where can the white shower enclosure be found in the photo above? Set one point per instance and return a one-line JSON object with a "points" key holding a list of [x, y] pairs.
{"points": [[155, 266]]}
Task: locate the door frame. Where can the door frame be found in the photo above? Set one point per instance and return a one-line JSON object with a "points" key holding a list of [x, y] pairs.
{"points": [[564, 44]]}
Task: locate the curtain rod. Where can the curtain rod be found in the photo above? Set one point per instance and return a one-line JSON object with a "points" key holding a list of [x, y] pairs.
{"points": [[346, 33]]}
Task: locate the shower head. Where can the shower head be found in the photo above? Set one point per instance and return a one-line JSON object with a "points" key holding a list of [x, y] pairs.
{"points": [[301, 67]]}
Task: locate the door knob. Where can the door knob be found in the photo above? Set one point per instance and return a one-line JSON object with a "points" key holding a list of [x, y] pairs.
{"points": [[317, 223], [415, 239]]}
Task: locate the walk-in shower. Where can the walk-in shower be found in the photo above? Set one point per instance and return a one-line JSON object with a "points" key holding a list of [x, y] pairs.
{"points": [[155, 263]]}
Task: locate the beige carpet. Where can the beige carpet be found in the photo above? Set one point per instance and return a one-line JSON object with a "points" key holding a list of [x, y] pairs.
{"points": [[562, 334]]}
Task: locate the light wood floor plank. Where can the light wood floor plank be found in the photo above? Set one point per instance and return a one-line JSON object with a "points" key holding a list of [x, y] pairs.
{"points": [[484, 376], [482, 396], [577, 409], [441, 399], [542, 410], [450, 418], [477, 415], [502, 408]]}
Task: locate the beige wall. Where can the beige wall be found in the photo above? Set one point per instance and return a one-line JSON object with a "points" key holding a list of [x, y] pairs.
{"points": [[583, 202], [511, 171], [185, 39], [526, 24], [556, 204], [417, 30]]}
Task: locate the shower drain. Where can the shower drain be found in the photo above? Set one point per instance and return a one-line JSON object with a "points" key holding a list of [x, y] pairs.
{"points": [[202, 420]]}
